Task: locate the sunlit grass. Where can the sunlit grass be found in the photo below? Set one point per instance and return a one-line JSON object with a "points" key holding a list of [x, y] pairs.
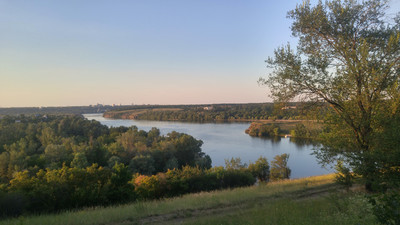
{"points": [[287, 211], [279, 194]]}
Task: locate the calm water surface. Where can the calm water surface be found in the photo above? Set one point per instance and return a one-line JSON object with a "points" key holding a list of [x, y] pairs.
{"points": [[226, 140]]}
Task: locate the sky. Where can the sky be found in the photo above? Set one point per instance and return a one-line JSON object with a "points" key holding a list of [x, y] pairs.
{"points": [[71, 53]]}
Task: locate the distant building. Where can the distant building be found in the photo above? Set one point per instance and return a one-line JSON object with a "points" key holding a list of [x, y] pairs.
{"points": [[208, 108], [288, 107]]}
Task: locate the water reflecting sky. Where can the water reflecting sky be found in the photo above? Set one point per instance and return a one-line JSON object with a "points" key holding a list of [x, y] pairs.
{"points": [[226, 140]]}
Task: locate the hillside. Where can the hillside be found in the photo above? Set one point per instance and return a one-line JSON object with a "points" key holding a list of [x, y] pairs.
{"points": [[313, 200]]}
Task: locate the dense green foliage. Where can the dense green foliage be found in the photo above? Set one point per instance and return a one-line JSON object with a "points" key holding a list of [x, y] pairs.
{"points": [[260, 169], [279, 168], [302, 131], [48, 164], [34, 143], [312, 200], [189, 180], [348, 56], [263, 130], [57, 162], [295, 129]]}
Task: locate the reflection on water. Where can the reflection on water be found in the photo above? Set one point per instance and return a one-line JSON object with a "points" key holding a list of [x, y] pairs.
{"points": [[226, 140], [301, 142], [275, 139]]}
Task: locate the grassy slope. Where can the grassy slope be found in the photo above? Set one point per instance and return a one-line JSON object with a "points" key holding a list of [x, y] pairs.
{"points": [[301, 201]]}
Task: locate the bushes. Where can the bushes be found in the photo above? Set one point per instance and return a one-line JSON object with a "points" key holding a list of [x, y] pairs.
{"points": [[189, 180], [387, 207], [237, 178], [279, 168], [46, 168], [12, 204], [176, 182], [68, 188], [263, 130], [260, 169], [343, 175], [65, 188]]}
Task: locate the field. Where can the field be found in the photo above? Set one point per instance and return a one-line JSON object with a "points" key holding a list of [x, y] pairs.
{"points": [[313, 200], [133, 113]]}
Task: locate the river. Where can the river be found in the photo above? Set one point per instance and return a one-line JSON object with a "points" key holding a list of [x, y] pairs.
{"points": [[226, 140]]}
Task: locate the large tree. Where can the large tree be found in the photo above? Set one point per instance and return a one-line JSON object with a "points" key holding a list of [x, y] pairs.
{"points": [[348, 57]]}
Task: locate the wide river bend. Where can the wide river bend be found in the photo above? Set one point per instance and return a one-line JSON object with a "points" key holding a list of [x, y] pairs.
{"points": [[226, 140]]}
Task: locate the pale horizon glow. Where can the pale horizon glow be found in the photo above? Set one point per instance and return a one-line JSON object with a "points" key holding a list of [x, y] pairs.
{"points": [[73, 53]]}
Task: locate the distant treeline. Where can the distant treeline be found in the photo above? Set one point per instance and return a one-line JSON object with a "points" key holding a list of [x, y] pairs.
{"points": [[53, 163], [217, 112], [65, 110]]}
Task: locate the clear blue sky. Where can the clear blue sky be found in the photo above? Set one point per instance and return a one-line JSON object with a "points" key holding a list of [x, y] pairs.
{"points": [[58, 53]]}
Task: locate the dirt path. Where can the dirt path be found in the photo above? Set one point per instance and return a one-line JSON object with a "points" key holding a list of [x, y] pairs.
{"points": [[178, 217]]}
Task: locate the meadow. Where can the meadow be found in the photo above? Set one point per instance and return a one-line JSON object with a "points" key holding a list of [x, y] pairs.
{"points": [[312, 200]]}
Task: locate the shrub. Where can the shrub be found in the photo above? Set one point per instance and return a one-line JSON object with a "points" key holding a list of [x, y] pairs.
{"points": [[260, 169], [149, 187], [387, 207], [343, 175], [12, 204], [279, 168]]}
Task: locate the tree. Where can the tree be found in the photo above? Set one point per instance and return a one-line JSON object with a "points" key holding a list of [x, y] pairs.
{"points": [[300, 131], [79, 161], [204, 162], [142, 164], [260, 169], [56, 155], [120, 188], [279, 168], [234, 164], [348, 57], [187, 148]]}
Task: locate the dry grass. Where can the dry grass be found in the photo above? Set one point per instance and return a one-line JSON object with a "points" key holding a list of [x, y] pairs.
{"points": [[133, 113]]}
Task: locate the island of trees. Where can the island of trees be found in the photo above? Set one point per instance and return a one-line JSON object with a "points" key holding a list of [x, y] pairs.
{"points": [[294, 129]]}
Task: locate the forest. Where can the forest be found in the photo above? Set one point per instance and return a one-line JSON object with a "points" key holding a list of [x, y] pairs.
{"points": [[52, 163]]}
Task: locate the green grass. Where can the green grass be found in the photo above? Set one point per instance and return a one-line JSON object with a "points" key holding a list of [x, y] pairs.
{"points": [[288, 211], [300, 201]]}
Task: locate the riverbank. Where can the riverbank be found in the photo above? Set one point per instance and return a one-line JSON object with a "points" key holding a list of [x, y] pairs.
{"points": [[135, 113], [226, 140], [312, 200], [211, 113]]}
